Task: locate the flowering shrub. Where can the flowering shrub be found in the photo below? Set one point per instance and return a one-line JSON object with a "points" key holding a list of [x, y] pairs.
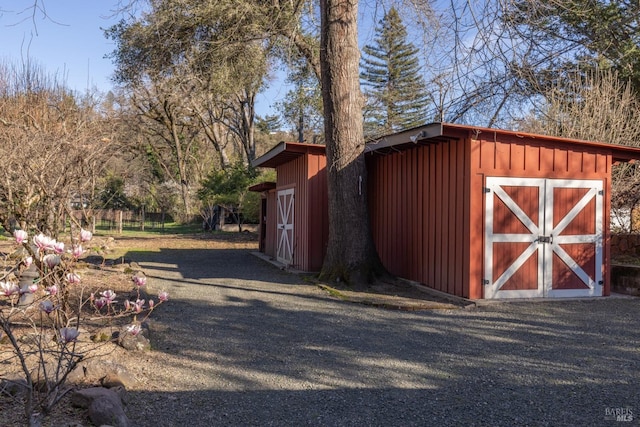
{"points": [[45, 318]]}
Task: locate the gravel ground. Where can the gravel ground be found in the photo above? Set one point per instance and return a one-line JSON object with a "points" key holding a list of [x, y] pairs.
{"points": [[242, 343]]}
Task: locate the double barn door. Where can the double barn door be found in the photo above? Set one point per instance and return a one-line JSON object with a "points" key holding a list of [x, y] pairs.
{"points": [[543, 238]]}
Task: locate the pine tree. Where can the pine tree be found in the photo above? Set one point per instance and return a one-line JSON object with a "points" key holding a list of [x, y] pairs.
{"points": [[395, 91]]}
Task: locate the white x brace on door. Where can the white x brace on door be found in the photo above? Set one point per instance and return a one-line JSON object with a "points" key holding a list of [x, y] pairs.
{"points": [[543, 238], [284, 233]]}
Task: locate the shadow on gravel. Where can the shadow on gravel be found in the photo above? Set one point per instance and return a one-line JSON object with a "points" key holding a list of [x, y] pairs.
{"points": [[330, 365], [256, 353], [201, 264], [454, 404]]}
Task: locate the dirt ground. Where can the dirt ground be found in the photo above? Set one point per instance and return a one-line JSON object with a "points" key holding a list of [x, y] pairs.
{"points": [[106, 265]]}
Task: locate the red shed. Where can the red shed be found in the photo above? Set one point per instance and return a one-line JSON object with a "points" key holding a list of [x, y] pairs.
{"points": [[487, 213], [294, 226]]}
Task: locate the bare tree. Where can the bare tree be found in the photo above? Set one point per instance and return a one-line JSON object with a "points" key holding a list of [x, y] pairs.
{"points": [[54, 146], [171, 131], [596, 106]]}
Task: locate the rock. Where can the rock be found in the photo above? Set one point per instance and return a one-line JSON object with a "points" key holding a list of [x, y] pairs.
{"points": [[107, 411], [118, 379], [44, 375], [13, 385], [104, 335], [105, 406], [96, 371], [39, 340], [134, 341]]}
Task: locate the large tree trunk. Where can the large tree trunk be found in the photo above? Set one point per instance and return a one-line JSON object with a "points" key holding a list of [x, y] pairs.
{"points": [[351, 255]]}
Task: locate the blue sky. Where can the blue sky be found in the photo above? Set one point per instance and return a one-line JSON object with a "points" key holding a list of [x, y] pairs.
{"points": [[68, 42]]}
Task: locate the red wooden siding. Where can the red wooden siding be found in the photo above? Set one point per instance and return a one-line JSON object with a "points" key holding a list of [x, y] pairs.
{"points": [[506, 222], [317, 230], [417, 207], [307, 175], [503, 155], [428, 195], [427, 202], [270, 239]]}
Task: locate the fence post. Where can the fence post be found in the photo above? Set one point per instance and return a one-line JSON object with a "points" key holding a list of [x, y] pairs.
{"points": [[119, 222]]}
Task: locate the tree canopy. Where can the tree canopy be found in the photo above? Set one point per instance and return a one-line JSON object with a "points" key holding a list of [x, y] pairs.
{"points": [[396, 96]]}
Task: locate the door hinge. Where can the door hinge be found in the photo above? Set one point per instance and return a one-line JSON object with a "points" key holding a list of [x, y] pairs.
{"points": [[486, 190], [485, 282], [600, 282], [601, 193]]}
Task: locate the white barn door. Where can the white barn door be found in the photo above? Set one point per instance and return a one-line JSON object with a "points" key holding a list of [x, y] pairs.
{"points": [[543, 238], [284, 235]]}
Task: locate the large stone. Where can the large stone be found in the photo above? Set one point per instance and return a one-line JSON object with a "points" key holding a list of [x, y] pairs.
{"points": [[104, 335], [104, 406], [118, 379], [105, 372], [134, 342], [13, 385]]}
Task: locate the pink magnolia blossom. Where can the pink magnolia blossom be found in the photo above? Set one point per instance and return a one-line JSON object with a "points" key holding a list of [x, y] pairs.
{"points": [[151, 303], [139, 281], [43, 242], [52, 290], [109, 296], [20, 236], [163, 296], [127, 305], [100, 302], [134, 329], [73, 278], [77, 251], [85, 235], [51, 260], [68, 335], [28, 261], [47, 306], [139, 305], [58, 247], [8, 288], [33, 288]]}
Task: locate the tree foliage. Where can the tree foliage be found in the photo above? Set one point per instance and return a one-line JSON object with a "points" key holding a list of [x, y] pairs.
{"points": [[302, 105], [577, 35], [229, 188], [596, 106], [396, 96]]}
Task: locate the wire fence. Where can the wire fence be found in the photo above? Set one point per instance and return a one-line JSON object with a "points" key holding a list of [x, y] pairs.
{"points": [[117, 220]]}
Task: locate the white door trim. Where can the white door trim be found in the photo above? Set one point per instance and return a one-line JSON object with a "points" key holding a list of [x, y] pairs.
{"points": [[284, 232], [543, 237]]}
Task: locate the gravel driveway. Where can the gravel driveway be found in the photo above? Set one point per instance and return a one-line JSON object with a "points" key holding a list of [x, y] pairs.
{"points": [[244, 343]]}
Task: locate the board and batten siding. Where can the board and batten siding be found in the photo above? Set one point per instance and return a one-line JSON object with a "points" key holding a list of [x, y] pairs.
{"points": [[306, 174], [507, 155], [418, 209], [270, 215], [427, 200]]}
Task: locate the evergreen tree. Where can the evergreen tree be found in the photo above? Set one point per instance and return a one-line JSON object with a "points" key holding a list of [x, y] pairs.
{"points": [[394, 89]]}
